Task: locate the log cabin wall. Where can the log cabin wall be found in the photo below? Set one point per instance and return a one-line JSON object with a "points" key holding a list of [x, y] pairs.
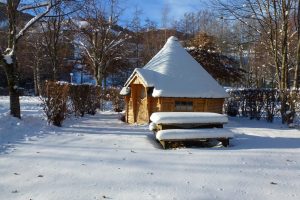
{"points": [[140, 104], [149, 105], [169, 104], [215, 105]]}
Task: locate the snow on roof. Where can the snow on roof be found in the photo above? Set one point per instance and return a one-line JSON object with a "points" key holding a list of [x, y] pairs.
{"points": [[173, 72], [81, 23], [125, 91]]}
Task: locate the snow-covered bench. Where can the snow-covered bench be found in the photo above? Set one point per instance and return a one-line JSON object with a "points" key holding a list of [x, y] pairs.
{"points": [[189, 126], [171, 120], [173, 135]]}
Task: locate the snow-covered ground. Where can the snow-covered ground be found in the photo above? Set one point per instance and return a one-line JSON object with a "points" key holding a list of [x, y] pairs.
{"points": [[99, 157]]}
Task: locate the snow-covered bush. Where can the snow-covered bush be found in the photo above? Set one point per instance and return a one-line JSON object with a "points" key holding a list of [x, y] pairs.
{"points": [[292, 114], [257, 103], [252, 103], [55, 97], [83, 99], [61, 98]]}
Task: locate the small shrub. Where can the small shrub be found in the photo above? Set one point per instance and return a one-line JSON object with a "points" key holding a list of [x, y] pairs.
{"points": [[55, 97], [266, 103], [93, 99], [270, 105], [113, 95], [232, 109], [122, 118], [292, 106], [79, 95]]}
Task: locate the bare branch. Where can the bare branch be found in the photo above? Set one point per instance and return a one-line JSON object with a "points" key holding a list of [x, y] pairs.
{"points": [[33, 6], [37, 18]]}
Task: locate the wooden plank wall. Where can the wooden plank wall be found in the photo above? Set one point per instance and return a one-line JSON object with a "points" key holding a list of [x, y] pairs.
{"points": [[168, 105], [215, 105], [130, 118], [139, 110], [142, 111], [199, 104]]}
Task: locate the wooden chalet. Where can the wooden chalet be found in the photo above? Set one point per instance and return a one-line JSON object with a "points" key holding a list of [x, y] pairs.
{"points": [[172, 81]]}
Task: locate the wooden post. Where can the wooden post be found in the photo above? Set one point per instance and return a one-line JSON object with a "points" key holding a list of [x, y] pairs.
{"points": [[127, 99], [134, 102], [205, 105], [149, 104]]}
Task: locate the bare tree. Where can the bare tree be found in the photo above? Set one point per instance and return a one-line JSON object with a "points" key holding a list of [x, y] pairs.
{"points": [[136, 27], [297, 67], [273, 21], [273, 24], [100, 38], [38, 59], [52, 33], [203, 48], [8, 56]]}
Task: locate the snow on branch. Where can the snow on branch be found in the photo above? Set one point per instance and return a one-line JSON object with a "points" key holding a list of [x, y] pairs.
{"points": [[34, 6], [113, 44], [49, 5], [1, 59], [84, 46], [7, 56]]}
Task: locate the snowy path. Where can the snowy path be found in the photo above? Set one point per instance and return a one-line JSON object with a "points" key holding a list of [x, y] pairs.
{"points": [[99, 157]]}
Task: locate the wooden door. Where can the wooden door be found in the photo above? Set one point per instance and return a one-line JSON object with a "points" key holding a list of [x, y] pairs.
{"points": [[139, 104]]}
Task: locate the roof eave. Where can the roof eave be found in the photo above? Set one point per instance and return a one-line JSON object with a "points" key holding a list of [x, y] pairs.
{"points": [[131, 78]]}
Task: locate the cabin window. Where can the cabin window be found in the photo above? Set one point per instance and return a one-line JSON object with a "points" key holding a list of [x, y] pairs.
{"points": [[184, 106], [143, 95]]}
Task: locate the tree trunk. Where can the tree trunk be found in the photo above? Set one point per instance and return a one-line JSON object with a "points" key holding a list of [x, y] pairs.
{"points": [[100, 74], [104, 82], [100, 78], [241, 57], [54, 65], [284, 68], [37, 80], [296, 75], [13, 90], [36, 90], [11, 66]]}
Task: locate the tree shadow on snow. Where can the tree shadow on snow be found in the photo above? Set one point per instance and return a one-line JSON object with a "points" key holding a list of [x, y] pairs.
{"points": [[244, 141]]}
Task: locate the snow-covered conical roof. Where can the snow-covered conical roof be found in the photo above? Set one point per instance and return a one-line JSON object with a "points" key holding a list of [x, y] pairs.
{"points": [[173, 72]]}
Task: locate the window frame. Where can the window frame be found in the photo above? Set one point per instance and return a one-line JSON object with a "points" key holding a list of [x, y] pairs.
{"points": [[184, 106]]}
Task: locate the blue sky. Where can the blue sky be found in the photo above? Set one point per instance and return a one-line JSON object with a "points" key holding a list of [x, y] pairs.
{"points": [[153, 8]]}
